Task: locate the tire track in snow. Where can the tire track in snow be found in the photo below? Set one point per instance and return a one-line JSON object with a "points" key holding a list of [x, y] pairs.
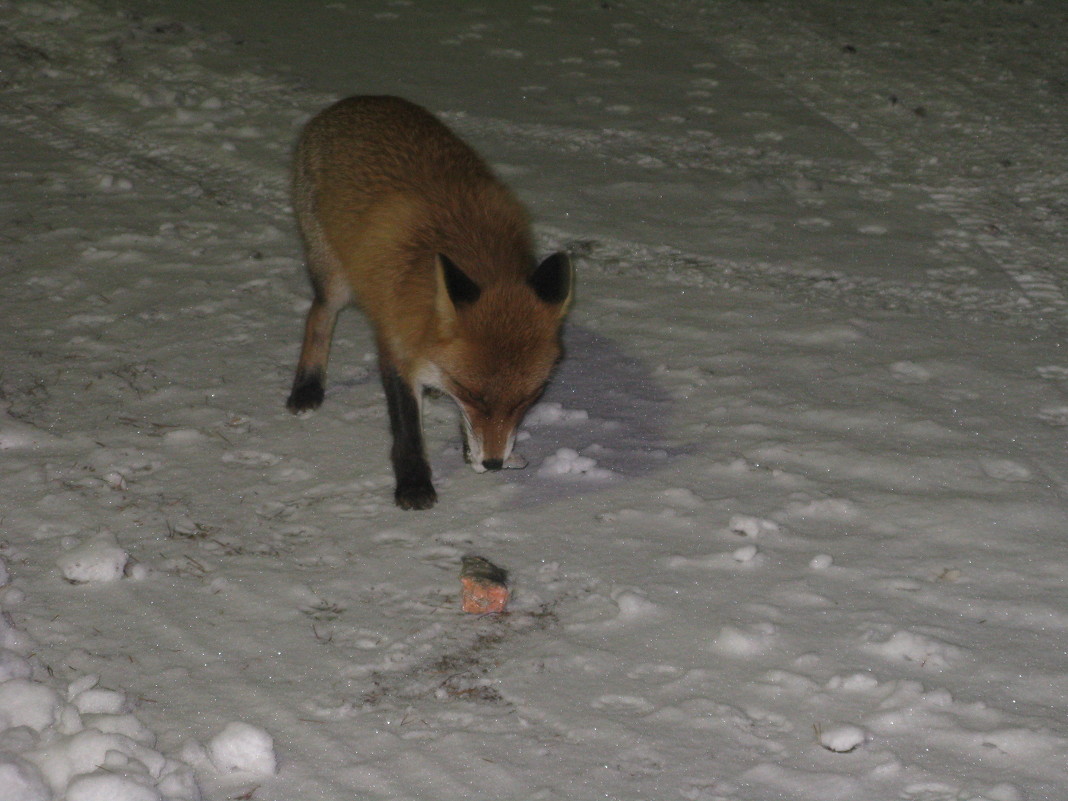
{"points": [[967, 132], [104, 143], [191, 163], [698, 151], [131, 155]]}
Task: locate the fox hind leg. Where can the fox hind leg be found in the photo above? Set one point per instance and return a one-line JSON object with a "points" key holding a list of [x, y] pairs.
{"points": [[310, 380], [332, 294], [410, 468]]}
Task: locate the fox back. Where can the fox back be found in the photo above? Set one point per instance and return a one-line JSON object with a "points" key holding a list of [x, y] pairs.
{"points": [[403, 218]]}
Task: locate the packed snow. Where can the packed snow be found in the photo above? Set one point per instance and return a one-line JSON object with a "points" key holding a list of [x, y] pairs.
{"points": [[793, 523]]}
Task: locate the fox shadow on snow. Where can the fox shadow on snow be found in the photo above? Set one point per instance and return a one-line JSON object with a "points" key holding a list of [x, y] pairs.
{"points": [[624, 432]]}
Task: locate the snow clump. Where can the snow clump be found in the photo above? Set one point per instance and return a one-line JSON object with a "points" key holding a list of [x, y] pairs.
{"points": [[54, 750], [842, 738], [243, 748], [548, 413], [567, 461], [97, 560], [81, 743]]}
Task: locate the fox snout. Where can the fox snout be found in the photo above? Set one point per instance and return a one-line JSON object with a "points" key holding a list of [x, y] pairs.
{"points": [[488, 443]]}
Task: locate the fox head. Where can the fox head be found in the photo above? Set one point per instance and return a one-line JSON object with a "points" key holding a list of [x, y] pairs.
{"points": [[500, 343]]}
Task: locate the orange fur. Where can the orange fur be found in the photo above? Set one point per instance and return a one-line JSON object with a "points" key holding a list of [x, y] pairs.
{"points": [[385, 194]]}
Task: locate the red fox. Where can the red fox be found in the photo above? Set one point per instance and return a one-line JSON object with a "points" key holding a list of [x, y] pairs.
{"points": [[403, 218]]}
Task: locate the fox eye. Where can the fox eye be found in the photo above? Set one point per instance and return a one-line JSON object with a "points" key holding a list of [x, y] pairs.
{"points": [[470, 397], [527, 402]]}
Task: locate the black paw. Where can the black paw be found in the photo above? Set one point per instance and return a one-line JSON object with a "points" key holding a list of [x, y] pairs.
{"points": [[415, 496], [307, 394]]}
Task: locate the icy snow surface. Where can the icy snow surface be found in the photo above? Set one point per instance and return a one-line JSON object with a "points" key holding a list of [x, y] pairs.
{"points": [[794, 521]]}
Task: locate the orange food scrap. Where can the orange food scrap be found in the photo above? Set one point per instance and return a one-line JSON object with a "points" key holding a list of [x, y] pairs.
{"points": [[482, 597], [485, 586]]}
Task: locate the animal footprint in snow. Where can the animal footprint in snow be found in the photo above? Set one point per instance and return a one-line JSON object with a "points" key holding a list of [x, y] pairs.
{"points": [[1056, 416], [910, 372], [624, 703], [251, 458], [747, 526], [744, 642], [1005, 470], [1053, 372], [927, 652]]}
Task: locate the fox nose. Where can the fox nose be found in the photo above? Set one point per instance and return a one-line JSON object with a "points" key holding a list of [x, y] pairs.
{"points": [[493, 464]]}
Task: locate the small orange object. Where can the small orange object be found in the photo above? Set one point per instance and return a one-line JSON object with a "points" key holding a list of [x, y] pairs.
{"points": [[485, 586]]}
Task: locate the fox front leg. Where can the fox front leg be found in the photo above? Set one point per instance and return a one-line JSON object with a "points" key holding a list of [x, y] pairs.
{"points": [[410, 468]]}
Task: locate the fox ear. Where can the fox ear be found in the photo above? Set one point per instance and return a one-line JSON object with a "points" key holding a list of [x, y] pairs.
{"points": [[552, 280], [460, 289]]}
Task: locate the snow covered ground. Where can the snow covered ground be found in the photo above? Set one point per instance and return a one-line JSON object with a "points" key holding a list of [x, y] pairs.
{"points": [[794, 521]]}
